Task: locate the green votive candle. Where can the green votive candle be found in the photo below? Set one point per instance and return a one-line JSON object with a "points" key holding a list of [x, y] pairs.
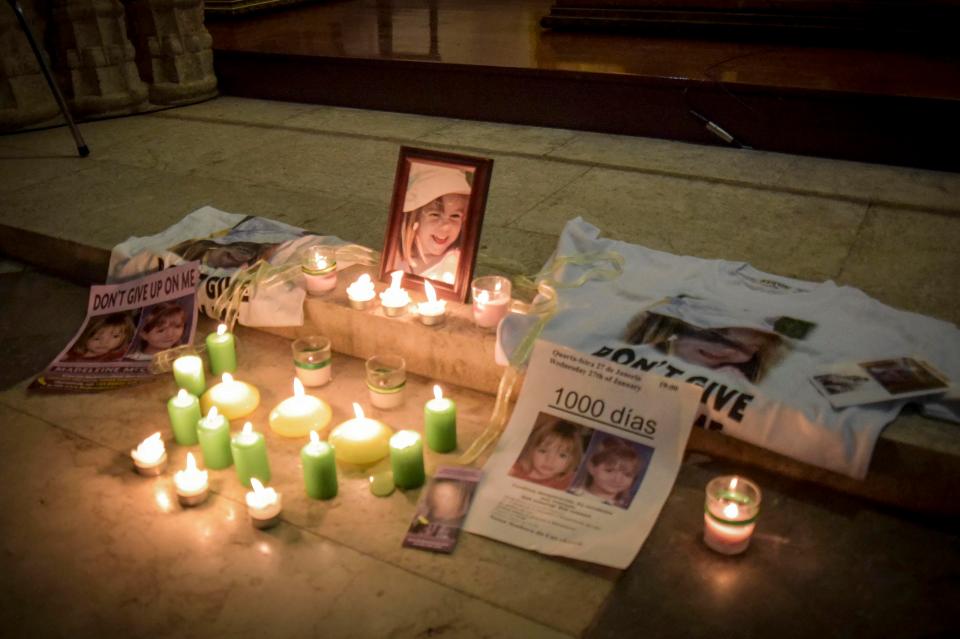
{"points": [[406, 459], [214, 434], [184, 412], [222, 351], [250, 455], [319, 468], [440, 422], [188, 373]]}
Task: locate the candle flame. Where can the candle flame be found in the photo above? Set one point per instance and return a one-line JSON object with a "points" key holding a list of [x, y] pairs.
{"points": [[213, 414], [437, 392], [183, 397], [395, 279], [150, 449], [222, 330], [247, 429], [404, 439], [256, 485], [731, 511], [191, 463], [357, 410], [297, 387], [483, 297], [321, 262], [314, 437], [227, 378], [431, 294], [364, 280], [733, 483], [496, 287]]}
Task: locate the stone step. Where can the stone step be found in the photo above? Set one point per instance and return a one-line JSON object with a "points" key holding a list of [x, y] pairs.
{"points": [[916, 463]]}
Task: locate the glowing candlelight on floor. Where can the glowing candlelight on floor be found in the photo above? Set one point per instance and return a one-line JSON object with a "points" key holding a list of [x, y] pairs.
{"points": [[386, 379], [188, 373], [491, 300], [263, 504], [319, 468], [312, 360], [213, 431], [250, 455], [234, 399], [440, 422], [298, 415], [433, 310], [191, 483], [222, 351], [150, 456], [406, 459], [184, 413], [360, 440], [395, 300], [730, 515], [319, 268], [361, 292]]}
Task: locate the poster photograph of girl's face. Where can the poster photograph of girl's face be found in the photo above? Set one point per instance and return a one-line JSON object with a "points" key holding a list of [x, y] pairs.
{"points": [[435, 220]]}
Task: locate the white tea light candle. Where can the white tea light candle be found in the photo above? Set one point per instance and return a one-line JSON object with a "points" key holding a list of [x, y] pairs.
{"points": [[191, 483], [395, 299], [263, 505], [361, 292], [433, 310], [150, 456]]}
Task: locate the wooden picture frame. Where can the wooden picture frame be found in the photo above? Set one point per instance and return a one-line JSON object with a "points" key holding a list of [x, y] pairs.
{"points": [[436, 214]]}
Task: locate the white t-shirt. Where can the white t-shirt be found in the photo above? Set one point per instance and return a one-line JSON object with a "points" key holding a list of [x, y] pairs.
{"points": [[752, 340]]}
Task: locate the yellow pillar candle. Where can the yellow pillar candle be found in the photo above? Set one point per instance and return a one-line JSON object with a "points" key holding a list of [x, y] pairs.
{"points": [[360, 440], [298, 415], [234, 399]]}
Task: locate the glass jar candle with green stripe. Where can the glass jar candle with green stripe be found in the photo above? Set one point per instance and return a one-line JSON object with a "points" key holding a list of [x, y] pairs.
{"points": [[312, 360]]}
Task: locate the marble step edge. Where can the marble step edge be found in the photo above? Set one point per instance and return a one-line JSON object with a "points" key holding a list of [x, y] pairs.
{"points": [[916, 462]]}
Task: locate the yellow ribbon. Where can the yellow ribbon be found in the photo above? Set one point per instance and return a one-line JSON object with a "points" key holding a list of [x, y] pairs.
{"points": [[544, 306]]}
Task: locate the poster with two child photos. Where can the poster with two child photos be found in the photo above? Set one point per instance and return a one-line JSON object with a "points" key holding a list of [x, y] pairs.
{"points": [[587, 460]]}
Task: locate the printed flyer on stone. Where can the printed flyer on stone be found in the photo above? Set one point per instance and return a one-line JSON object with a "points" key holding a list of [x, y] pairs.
{"points": [[587, 460]]}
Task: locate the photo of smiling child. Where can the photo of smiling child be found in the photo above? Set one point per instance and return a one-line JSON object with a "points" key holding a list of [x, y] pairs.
{"points": [[551, 454], [104, 339], [613, 470], [434, 211]]}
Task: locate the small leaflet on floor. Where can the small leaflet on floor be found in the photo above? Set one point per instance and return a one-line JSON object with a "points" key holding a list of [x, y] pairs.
{"points": [[881, 380], [586, 463], [126, 325], [442, 508]]}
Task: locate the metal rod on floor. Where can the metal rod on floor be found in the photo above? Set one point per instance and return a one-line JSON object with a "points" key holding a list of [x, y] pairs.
{"points": [[81, 145]]}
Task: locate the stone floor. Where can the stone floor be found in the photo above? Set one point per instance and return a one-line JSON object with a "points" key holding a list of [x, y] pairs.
{"points": [[90, 549]]}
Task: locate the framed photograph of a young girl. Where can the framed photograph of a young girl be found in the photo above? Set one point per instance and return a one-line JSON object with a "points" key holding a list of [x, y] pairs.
{"points": [[435, 219]]}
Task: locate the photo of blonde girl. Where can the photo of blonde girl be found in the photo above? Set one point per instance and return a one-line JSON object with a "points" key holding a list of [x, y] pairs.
{"points": [[613, 470], [104, 339], [434, 211], [551, 454]]}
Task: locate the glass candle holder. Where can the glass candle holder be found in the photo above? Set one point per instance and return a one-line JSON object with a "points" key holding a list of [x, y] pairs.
{"points": [[312, 360], [491, 300], [386, 379], [730, 513], [319, 268]]}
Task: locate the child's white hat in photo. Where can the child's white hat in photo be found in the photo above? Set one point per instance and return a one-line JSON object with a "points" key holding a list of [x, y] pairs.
{"points": [[427, 182]]}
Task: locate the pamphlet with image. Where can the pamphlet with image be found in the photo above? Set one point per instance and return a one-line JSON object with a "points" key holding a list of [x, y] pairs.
{"points": [[587, 460], [442, 508], [881, 380]]}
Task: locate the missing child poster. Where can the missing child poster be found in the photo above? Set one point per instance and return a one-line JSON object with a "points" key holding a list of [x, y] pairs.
{"points": [[126, 325], [587, 460]]}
